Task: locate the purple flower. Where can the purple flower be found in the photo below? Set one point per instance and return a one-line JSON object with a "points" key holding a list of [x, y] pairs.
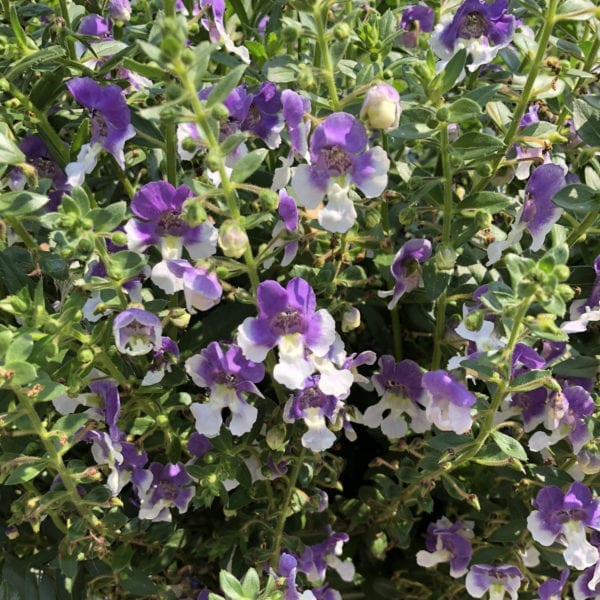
{"points": [[482, 28], [288, 213], [168, 486], [198, 444], [201, 289], [110, 123], [585, 311], [531, 116], [215, 26], [406, 269], [295, 107], [496, 580], [448, 403], [447, 542], [339, 158], [414, 20], [317, 558], [229, 376], [287, 319], [565, 414], [265, 118], [563, 517], [538, 214], [164, 357], [399, 385], [159, 207], [587, 585], [552, 588], [119, 10], [381, 107], [137, 331]]}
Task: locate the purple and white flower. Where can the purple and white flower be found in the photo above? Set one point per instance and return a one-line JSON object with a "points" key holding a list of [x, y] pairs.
{"points": [[448, 402], [497, 580], [552, 588], [587, 585], [137, 331], [448, 542], [381, 107], [110, 123], [158, 207], [585, 311], [163, 359], [339, 159], [406, 269], [215, 26], [414, 20], [287, 319], [317, 558], [538, 214], [229, 376], [399, 385], [119, 10], [288, 211], [483, 28], [201, 289], [168, 487], [563, 517]]}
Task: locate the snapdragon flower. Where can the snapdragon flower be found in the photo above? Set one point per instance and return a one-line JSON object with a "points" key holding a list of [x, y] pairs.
{"points": [[169, 486], [563, 517], [229, 376], [158, 220], [137, 331], [406, 269], [339, 159], [287, 319], [483, 28], [110, 123], [448, 403], [497, 580], [400, 388], [448, 542], [585, 311]]}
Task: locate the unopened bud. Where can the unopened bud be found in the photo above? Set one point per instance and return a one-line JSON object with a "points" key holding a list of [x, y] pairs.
{"points": [[276, 437], [219, 112], [483, 219], [119, 238], [445, 257], [350, 319], [233, 240], [179, 317], [269, 199], [85, 355], [212, 161], [342, 31], [372, 217]]}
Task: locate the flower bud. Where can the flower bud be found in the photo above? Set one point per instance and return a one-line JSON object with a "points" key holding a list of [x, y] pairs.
{"points": [[276, 437], [85, 355], [372, 217], [179, 317], [219, 112], [269, 199], [212, 161], [342, 31], [562, 272], [119, 238], [119, 10], [442, 114], [11, 532], [162, 421], [445, 257], [289, 34], [233, 240], [306, 80], [483, 219], [350, 319]]}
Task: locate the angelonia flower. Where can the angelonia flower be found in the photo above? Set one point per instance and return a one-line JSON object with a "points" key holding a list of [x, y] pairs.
{"points": [[381, 107], [201, 289], [447, 542], [287, 319], [288, 212], [552, 588], [538, 214], [110, 124], [564, 416], [448, 403], [214, 23], [350, 319], [164, 357], [414, 20], [587, 585], [406, 269], [119, 10], [316, 559], [400, 389], [137, 331], [483, 28], [563, 517], [94, 28], [168, 487], [158, 210], [339, 159], [229, 377], [585, 311], [497, 580]]}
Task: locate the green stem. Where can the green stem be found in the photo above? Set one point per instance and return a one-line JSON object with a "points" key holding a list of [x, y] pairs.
{"points": [[171, 152], [589, 220], [18, 228], [64, 12], [549, 21], [283, 510], [397, 332], [326, 69]]}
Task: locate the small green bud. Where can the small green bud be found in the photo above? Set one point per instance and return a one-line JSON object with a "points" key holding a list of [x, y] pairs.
{"points": [[173, 91], [179, 317], [189, 144], [170, 48], [17, 304], [233, 240], [483, 219], [432, 123], [306, 80], [85, 355], [289, 34], [565, 292], [388, 74], [276, 437], [219, 112], [562, 272], [66, 252], [222, 272], [209, 458], [194, 214], [87, 223], [474, 320], [483, 169], [269, 199], [372, 217], [51, 326], [162, 421], [212, 161], [442, 114], [342, 31], [445, 257], [407, 216], [85, 246], [350, 319], [187, 57], [119, 238], [374, 57]]}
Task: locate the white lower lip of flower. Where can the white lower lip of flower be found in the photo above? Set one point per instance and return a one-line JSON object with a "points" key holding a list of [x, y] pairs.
{"points": [[579, 553]]}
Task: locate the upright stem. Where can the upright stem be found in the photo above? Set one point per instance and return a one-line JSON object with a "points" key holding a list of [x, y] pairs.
{"points": [[326, 66], [521, 107], [64, 13]]}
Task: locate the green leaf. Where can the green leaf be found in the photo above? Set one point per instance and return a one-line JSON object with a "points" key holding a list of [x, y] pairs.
{"points": [[147, 131], [583, 8], [509, 445], [453, 70], [586, 119], [150, 50], [530, 380], [126, 264], [138, 583], [54, 266], [9, 151], [582, 366], [539, 130], [577, 199], [248, 164], [69, 424], [225, 86], [49, 54], [230, 586], [149, 71], [435, 282], [21, 203], [462, 110], [473, 145], [281, 69], [26, 472], [107, 219], [20, 348], [24, 372], [15, 264], [491, 202], [251, 584]]}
